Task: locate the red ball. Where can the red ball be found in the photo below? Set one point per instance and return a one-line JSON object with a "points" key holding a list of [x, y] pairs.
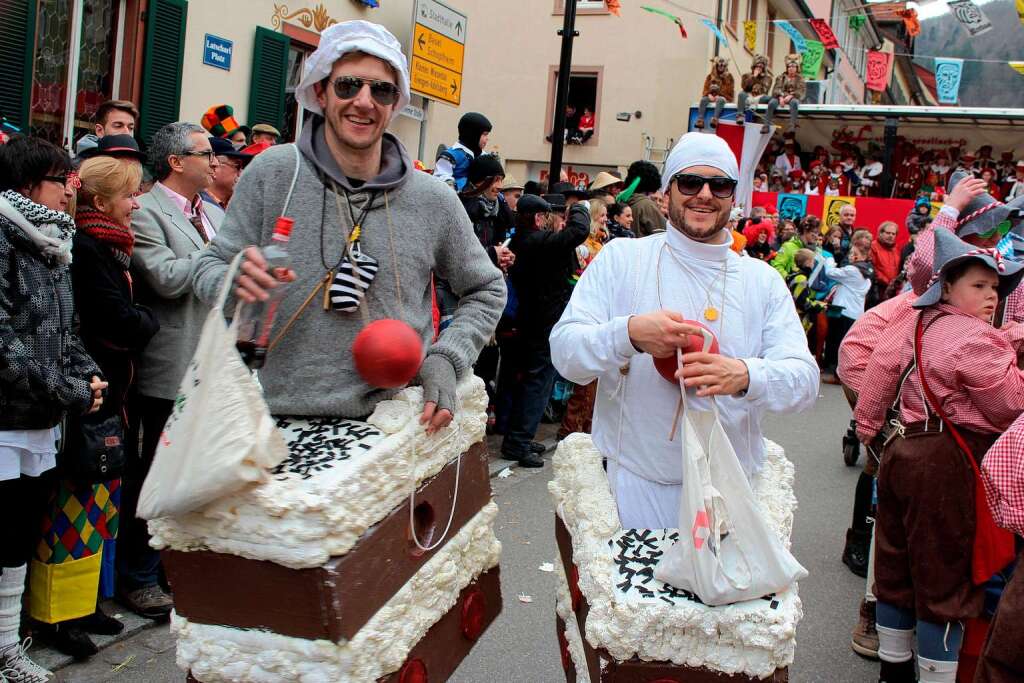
{"points": [[387, 353], [668, 365]]}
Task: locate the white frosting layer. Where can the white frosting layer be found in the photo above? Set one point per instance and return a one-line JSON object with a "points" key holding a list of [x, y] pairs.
{"points": [[220, 653], [563, 606], [752, 638], [338, 483]]}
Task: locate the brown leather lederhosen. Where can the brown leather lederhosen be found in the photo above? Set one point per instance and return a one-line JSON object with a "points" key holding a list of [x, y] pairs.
{"points": [[1002, 658]]}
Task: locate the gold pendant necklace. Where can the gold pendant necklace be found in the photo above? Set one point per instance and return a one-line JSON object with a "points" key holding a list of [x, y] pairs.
{"points": [[711, 313]]}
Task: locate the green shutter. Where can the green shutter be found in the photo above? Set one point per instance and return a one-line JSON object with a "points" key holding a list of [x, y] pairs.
{"points": [[161, 66], [17, 47], [269, 74]]}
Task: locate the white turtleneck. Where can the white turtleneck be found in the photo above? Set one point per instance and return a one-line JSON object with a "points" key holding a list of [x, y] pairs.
{"points": [[757, 324]]}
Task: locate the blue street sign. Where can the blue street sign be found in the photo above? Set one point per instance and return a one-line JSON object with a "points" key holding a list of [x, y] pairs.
{"points": [[217, 51]]}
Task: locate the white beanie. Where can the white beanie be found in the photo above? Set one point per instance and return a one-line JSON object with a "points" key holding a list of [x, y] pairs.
{"points": [[352, 36], [700, 149]]}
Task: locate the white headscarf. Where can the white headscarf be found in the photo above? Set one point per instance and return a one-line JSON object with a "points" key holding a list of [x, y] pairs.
{"points": [[352, 36], [700, 149]]}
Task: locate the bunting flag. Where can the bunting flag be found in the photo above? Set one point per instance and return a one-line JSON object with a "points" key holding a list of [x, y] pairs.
{"points": [[911, 22], [717, 31], [812, 59], [1017, 66], [750, 34], [799, 42], [947, 79], [660, 12], [857, 21], [830, 210], [824, 31], [878, 70], [1020, 10], [791, 207], [970, 17], [614, 7]]}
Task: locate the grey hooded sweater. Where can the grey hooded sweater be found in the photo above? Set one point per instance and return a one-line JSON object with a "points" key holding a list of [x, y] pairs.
{"points": [[422, 229]]}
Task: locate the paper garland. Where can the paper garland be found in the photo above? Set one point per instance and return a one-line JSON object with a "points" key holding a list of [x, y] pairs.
{"points": [[750, 34], [878, 70], [948, 72], [791, 207], [830, 212], [717, 31], [824, 31], [1020, 11], [1017, 66], [857, 21], [676, 20], [799, 42], [812, 59], [970, 17]]}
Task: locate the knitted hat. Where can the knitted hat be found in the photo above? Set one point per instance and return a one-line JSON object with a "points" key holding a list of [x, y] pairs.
{"points": [[353, 36], [483, 167], [984, 213], [697, 149], [471, 127], [220, 121], [951, 250]]}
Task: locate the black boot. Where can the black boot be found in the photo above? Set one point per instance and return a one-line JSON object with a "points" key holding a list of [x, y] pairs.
{"points": [[855, 554], [72, 640], [99, 623], [902, 672]]}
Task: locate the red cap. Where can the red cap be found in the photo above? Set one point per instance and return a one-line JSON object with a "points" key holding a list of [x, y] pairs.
{"points": [[283, 227]]}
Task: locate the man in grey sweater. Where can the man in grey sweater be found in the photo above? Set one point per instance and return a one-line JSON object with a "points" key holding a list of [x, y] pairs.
{"points": [[348, 172]]}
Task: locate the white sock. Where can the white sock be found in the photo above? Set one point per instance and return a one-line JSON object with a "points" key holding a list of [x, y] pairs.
{"points": [[12, 585], [934, 671], [895, 645]]}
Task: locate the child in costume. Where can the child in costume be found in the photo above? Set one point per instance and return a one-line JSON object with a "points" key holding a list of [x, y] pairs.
{"points": [[963, 391], [756, 84], [789, 89], [808, 306], [452, 164]]}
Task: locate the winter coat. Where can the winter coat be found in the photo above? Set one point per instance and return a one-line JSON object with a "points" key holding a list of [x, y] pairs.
{"points": [[114, 329], [44, 368], [545, 263], [490, 230], [647, 218]]}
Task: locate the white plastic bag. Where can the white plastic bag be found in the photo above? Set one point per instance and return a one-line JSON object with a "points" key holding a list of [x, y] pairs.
{"points": [[725, 552], [220, 435]]}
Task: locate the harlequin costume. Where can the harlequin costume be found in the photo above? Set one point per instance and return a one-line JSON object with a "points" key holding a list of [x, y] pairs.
{"points": [[962, 390], [719, 87]]}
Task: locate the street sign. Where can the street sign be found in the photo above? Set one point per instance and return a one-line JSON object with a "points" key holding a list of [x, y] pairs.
{"points": [[217, 51], [438, 51]]}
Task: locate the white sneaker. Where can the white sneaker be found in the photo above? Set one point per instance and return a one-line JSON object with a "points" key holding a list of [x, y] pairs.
{"points": [[16, 667]]}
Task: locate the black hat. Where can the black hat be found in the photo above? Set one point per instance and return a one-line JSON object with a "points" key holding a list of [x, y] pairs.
{"points": [[223, 148], [557, 201], [471, 127], [569, 190], [648, 173], [532, 187], [122, 146], [483, 167], [531, 203]]}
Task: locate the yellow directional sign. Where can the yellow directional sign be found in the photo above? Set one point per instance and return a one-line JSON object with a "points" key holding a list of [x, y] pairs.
{"points": [[438, 51], [435, 81]]}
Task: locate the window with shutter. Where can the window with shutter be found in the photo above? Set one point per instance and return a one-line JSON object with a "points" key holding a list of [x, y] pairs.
{"points": [[269, 77], [17, 38], [161, 68]]}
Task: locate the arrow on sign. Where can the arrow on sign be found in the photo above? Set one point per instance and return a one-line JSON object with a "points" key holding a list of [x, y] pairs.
{"points": [[421, 41], [458, 28], [455, 86]]}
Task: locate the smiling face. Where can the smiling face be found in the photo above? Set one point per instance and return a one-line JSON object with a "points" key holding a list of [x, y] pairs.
{"points": [[51, 194], [626, 218], [976, 292], [847, 216], [702, 216], [119, 207], [356, 124]]}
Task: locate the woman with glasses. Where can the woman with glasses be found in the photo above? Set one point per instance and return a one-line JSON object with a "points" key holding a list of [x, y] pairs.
{"points": [[113, 330], [45, 373]]}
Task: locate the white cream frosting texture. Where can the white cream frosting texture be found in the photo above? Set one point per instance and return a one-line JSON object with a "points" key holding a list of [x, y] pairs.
{"points": [[218, 654], [301, 522], [751, 638]]}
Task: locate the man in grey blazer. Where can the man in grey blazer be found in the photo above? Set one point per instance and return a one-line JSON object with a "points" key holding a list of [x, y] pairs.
{"points": [[172, 225]]}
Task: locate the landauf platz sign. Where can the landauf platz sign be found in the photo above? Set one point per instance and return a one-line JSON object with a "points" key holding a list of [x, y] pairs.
{"points": [[217, 51], [438, 51]]}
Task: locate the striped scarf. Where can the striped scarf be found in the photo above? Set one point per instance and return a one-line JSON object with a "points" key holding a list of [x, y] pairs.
{"points": [[101, 227]]}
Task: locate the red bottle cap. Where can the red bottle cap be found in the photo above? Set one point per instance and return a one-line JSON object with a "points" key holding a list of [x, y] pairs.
{"points": [[283, 227]]}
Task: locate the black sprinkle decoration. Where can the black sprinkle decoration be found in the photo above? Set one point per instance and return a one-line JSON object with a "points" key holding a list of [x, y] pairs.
{"points": [[317, 444]]}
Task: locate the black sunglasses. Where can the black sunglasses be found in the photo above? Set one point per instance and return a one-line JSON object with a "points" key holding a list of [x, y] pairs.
{"points": [[691, 184], [62, 179], [383, 92]]}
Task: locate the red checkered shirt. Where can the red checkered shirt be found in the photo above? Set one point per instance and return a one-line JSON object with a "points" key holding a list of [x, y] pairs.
{"points": [[867, 334], [919, 268], [971, 368], [1002, 472]]}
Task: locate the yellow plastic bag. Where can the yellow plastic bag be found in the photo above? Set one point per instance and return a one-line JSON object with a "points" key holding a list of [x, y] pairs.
{"points": [[58, 592]]}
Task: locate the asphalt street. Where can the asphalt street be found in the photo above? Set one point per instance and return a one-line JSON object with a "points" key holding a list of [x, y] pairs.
{"points": [[521, 644]]}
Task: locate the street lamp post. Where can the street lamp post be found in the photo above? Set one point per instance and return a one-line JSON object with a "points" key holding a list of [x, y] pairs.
{"points": [[568, 32]]}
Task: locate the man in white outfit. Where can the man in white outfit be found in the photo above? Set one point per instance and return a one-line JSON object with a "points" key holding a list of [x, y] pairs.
{"points": [[629, 307]]}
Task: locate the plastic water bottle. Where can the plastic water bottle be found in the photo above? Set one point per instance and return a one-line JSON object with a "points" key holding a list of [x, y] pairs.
{"points": [[257, 319]]}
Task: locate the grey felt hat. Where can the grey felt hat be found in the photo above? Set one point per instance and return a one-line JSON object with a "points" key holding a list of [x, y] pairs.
{"points": [[985, 212], [951, 250]]}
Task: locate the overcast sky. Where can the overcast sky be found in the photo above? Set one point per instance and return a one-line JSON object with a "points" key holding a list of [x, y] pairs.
{"points": [[928, 9]]}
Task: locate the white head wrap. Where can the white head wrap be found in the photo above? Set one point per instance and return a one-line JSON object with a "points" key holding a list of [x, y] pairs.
{"points": [[352, 36], [700, 149]]}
